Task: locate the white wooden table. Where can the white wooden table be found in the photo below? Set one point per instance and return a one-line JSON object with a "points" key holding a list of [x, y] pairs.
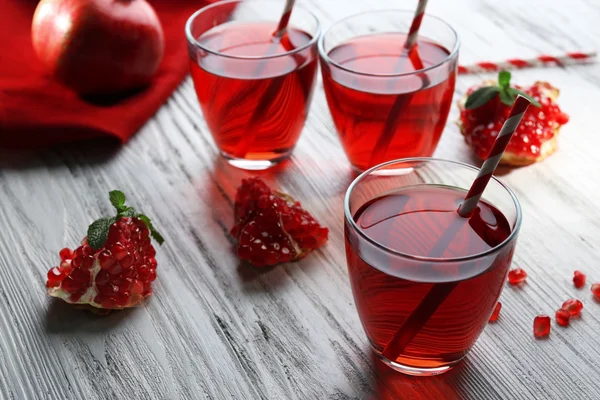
{"points": [[218, 329]]}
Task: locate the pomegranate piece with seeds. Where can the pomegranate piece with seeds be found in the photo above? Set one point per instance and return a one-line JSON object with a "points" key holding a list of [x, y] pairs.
{"points": [[573, 306], [486, 107], [496, 312], [562, 317], [272, 227], [114, 267], [596, 290], [517, 276], [541, 326], [579, 279]]}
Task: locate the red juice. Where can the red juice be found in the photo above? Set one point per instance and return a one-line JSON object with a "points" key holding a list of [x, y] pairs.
{"points": [[366, 102], [255, 107], [416, 221]]}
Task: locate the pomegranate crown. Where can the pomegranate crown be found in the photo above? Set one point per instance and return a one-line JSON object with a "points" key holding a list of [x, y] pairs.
{"points": [[507, 93], [98, 231]]}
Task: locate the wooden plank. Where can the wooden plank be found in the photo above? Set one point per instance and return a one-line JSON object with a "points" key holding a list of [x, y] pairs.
{"points": [[217, 329]]}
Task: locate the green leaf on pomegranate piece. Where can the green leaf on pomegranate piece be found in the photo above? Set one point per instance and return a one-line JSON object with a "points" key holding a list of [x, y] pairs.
{"points": [[117, 199], [127, 212], [155, 235], [481, 96], [504, 79], [506, 97], [98, 232], [516, 92]]}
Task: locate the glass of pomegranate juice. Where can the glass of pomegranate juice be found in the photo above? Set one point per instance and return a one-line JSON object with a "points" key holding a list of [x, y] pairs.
{"points": [[425, 280], [254, 88], [385, 103]]}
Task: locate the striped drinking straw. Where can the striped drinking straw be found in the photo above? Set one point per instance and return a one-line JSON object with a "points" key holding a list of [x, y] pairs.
{"points": [[493, 158], [285, 19], [577, 57]]}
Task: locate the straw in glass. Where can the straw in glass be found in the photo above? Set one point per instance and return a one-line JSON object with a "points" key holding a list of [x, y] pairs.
{"points": [[402, 100], [419, 317]]}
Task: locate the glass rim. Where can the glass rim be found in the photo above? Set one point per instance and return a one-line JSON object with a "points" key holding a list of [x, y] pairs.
{"points": [[453, 53], [349, 217], [192, 40]]}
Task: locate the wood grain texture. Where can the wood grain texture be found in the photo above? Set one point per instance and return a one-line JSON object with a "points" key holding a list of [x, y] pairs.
{"points": [[217, 329]]}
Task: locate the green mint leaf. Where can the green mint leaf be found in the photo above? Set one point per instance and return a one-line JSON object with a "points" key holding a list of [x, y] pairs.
{"points": [[504, 79], [117, 199], [127, 212], [516, 92], [155, 235], [481, 96], [98, 232], [507, 97]]}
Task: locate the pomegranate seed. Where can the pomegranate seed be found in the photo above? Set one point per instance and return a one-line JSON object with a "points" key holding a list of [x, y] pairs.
{"points": [[126, 285], [115, 269], [152, 276], [102, 278], [496, 312], [65, 266], [76, 262], [51, 284], [81, 275], [579, 279], [119, 252], [573, 306], [596, 290], [65, 254], [144, 273], [87, 262], [56, 274], [129, 273], [127, 261], [562, 317], [541, 326], [70, 285], [516, 276], [151, 262], [87, 250], [151, 252], [109, 303], [122, 299], [137, 287], [106, 259]]}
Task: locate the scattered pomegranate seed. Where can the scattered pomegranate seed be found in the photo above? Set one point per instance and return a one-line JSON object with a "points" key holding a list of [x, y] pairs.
{"points": [[562, 317], [496, 312], [573, 306], [596, 290], [65, 254], [516, 276], [541, 326], [579, 279]]}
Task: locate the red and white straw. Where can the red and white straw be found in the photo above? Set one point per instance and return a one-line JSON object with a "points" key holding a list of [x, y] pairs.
{"points": [[493, 159], [519, 63], [285, 19], [413, 32]]}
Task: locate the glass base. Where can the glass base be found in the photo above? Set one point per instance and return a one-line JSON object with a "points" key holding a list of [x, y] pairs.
{"points": [[417, 371], [254, 164]]}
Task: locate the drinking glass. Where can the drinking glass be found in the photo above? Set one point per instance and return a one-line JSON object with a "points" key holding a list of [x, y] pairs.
{"points": [[254, 89], [425, 280], [387, 103]]}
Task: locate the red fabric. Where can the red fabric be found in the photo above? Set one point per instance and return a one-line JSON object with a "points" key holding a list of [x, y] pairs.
{"points": [[36, 112]]}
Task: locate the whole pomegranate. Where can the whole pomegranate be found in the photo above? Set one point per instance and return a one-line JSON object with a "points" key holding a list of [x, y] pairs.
{"points": [[98, 46]]}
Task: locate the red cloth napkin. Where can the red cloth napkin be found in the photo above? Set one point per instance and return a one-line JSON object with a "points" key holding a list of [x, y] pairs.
{"points": [[37, 112]]}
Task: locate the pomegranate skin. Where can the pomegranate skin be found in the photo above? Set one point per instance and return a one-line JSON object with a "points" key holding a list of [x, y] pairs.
{"points": [[98, 46]]}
